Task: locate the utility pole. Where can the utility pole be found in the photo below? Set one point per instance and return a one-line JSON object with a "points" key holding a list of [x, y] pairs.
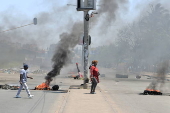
{"points": [[86, 5], [86, 47]]}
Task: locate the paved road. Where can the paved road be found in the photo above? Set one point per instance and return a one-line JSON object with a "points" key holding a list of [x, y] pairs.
{"points": [[43, 101], [124, 95]]}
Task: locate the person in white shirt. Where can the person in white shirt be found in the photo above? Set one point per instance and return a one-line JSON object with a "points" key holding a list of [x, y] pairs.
{"points": [[23, 80]]}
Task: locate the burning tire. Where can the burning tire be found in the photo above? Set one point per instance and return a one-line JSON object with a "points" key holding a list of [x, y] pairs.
{"points": [[43, 86], [152, 92]]}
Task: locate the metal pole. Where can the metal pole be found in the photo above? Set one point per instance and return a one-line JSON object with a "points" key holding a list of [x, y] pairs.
{"points": [[82, 56], [86, 44]]}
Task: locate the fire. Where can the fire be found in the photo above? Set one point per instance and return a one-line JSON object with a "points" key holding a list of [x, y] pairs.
{"points": [[152, 92], [157, 91], [43, 86]]}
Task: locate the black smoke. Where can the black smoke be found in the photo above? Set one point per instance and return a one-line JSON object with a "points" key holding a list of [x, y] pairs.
{"points": [[62, 54], [159, 79], [69, 40]]}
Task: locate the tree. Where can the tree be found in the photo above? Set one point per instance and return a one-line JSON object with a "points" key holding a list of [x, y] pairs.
{"points": [[143, 43], [146, 40]]}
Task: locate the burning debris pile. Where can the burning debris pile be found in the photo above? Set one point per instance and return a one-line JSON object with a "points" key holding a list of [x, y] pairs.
{"points": [[157, 84]]}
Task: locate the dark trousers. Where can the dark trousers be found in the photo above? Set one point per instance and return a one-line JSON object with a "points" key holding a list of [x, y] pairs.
{"points": [[94, 84]]}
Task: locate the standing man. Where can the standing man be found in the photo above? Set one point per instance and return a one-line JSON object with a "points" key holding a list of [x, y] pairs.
{"points": [[23, 80], [94, 76]]}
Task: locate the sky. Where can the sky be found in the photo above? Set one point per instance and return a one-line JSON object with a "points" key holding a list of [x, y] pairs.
{"points": [[29, 7], [15, 13], [33, 7]]}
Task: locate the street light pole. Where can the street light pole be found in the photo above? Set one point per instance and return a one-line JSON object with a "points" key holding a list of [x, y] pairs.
{"points": [[86, 44], [34, 22]]}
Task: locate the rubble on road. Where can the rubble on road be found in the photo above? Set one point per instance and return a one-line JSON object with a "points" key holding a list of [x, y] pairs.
{"points": [[10, 86]]}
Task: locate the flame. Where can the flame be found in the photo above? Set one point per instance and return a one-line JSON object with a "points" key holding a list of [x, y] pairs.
{"points": [[152, 90], [43, 86], [157, 90], [149, 89]]}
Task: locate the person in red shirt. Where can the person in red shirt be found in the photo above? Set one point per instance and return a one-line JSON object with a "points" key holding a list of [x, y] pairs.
{"points": [[94, 76]]}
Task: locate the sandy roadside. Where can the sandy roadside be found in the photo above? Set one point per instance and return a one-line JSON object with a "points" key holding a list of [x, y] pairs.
{"points": [[6, 78]]}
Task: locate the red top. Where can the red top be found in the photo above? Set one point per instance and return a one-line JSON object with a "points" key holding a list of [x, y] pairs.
{"points": [[94, 72]]}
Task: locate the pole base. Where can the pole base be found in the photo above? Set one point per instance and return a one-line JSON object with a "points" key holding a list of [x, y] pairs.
{"points": [[85, 86], [86, 80]]}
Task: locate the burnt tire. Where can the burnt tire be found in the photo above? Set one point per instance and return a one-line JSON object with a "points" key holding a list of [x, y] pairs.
{"points": [[55, 87]]}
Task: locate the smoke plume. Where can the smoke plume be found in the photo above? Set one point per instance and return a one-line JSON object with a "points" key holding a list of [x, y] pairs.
{"points": [[62, 54], [108, 14], [69, 40], [108, 9], [51, 24], [159, 80]]}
